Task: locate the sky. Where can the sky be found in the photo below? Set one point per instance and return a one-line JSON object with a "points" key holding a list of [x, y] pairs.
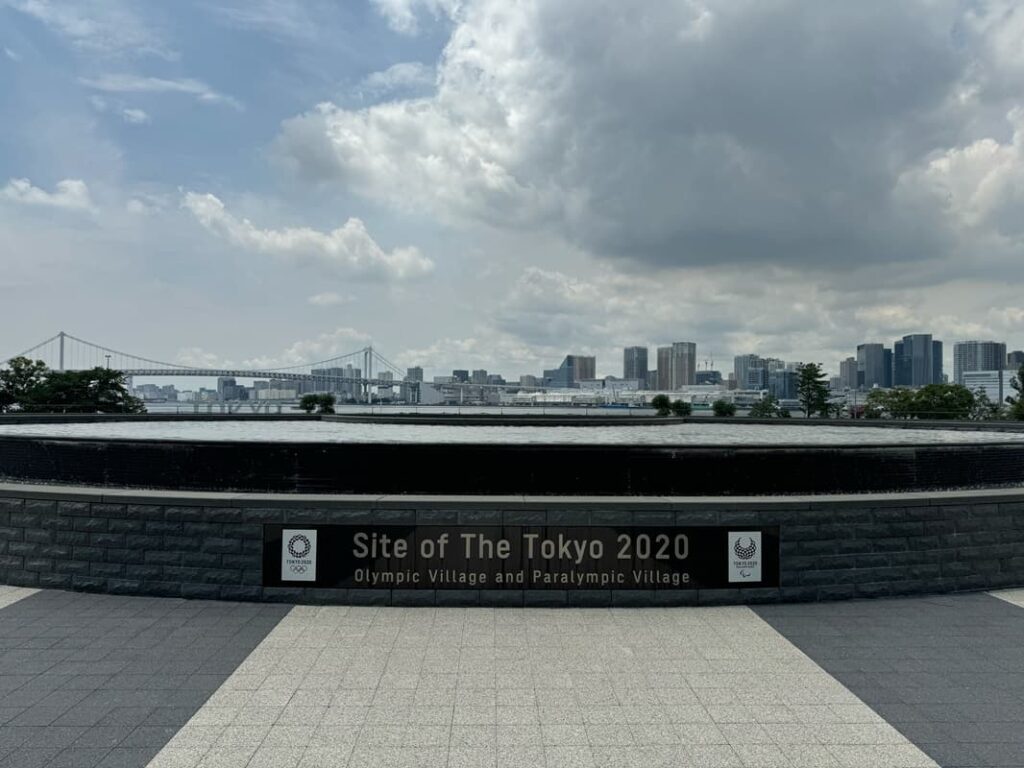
{"points": [[497, 183]]}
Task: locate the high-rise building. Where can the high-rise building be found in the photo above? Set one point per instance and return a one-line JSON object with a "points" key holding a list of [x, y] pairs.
{"points": [[479, 376], [977, 356], [227, 389], [664, 362], [460, 375], [684, 363], [677, 365], [743, 365], [783, 383], [1015, 359], [572, 369], [848, 373], [917, 361], [874, 366], [414, 374], [528, 380], [634, 364]]}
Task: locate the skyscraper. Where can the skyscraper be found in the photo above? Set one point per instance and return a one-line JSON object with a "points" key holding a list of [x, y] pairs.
{"points": [[634, 364], [848, 373], [414, 374], [1015, 359], [874, 366], [664, 368], [677, 365], [977, 356], [742, 366], [572, 369], [917, 361]]}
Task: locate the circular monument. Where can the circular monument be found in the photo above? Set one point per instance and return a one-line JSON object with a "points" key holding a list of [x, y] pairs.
{"points": [[602, 512]]}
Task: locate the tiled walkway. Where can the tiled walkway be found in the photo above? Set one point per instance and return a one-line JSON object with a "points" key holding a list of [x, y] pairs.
{"points": [[91, 681]]}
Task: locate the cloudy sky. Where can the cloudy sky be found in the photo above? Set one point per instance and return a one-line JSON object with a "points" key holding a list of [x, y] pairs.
{"points": [[494, 183]]}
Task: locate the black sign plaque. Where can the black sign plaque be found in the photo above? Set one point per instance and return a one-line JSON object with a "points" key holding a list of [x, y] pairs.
{"points": [[520, 557]]}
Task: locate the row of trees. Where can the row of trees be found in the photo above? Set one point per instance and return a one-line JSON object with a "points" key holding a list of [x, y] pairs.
{"points": [[935, 401], [30, 386]]}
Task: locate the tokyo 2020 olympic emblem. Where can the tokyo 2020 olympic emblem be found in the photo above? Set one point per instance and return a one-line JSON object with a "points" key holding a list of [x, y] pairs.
{"points": [[298, 554], [299, 546]]}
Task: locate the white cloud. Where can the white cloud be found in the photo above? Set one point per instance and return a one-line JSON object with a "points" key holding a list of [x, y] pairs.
{"points": [[404, 76], [348, 251], [340, 341], [978, 186], [688, 133], [127, 83], [403, 15], [135, 116], [12, 55], [329, 299], [70, 194], [98, 26]]}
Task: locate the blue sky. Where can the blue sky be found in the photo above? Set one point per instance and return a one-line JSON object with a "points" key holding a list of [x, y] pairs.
{"points": [[487, 183]]}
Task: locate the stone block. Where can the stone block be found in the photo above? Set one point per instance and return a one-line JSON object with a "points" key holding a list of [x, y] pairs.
{"points": [[222, 546], [412, 597], [501, 598], [457, 597], [545, 598], [479, 517], [590, 598]]}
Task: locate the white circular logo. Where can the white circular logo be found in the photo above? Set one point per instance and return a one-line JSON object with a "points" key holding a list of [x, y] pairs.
{"points": [[299, 546]]}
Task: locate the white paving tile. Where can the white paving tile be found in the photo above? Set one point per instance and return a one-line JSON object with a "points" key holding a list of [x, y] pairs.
{"points": [[10, 595], [1015, 596], [361, 686]]}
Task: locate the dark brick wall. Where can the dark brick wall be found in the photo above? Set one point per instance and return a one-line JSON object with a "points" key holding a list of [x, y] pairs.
{"points": [[212, 548]]}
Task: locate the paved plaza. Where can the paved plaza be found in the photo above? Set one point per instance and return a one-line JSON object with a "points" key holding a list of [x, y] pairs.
{"points": [[118, 682]]}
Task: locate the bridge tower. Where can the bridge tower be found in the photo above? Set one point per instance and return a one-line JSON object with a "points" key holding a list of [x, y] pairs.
{"points": [[61, 336]]}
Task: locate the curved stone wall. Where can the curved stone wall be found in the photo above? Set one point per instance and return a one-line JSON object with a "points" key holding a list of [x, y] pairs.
{"points": [[508, 469], [214, 545]]}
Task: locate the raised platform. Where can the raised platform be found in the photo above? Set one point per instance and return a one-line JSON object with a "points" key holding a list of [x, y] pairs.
{"points": [[229, 546], [464, 468]]}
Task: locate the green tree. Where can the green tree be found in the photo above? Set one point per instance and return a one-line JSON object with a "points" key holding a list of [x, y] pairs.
{"points": [[680, 408], [765, 408], [662, 404], [943, 401], [96, 390], [1016, 402], [812, 389], [722, 408], [984, 409], [321, 403], [19, 381]]}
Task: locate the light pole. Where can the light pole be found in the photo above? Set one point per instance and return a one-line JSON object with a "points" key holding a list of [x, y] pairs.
{"points": [[108, 361]]}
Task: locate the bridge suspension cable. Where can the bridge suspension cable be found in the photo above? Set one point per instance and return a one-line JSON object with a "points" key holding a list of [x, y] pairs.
{"points": [[86, 354]]}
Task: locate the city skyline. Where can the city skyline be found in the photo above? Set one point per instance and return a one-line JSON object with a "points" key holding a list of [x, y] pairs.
{"points": [[272, 181]]}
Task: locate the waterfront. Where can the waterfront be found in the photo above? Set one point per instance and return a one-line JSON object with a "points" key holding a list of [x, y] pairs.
{"points": [[670, 433]]}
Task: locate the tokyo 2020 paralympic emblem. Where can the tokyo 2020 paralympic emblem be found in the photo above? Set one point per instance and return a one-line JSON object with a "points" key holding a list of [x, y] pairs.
{"points": [[745, 551], [744, 556]]}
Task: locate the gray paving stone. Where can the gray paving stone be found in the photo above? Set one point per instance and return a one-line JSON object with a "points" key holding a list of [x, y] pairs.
{"points": [[95, 680], [944, 671]]}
